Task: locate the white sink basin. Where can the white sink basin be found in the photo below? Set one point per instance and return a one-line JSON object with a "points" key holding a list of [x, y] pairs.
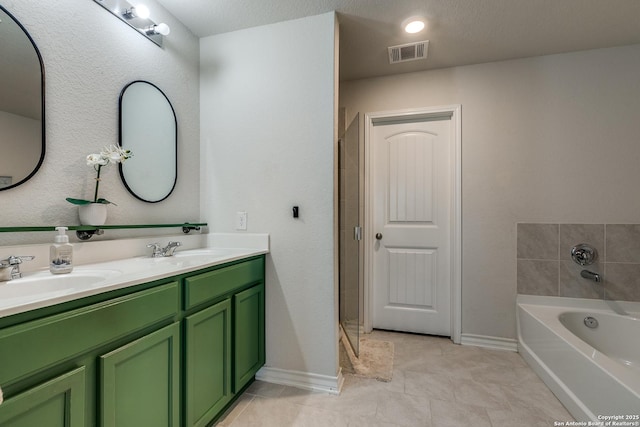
{"points": [[203, 253], [44, 285]]}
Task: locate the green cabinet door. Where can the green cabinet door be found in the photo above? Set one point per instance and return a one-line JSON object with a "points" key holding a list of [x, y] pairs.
{"points": [[208, 363], [56, 403], [139, 382], [248, 315]]}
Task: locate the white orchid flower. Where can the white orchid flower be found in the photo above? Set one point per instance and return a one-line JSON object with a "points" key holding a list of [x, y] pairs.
{"points": [[96, 160], [109, 154], [115, 154]]}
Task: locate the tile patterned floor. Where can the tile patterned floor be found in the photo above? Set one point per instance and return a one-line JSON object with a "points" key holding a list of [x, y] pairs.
{"points": [[435, 383]]}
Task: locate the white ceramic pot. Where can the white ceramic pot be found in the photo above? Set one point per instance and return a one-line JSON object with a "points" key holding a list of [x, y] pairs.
{"points": [[93, 214]]}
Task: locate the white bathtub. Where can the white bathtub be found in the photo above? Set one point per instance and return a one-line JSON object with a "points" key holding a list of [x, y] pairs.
{"points": [[594, 372]]}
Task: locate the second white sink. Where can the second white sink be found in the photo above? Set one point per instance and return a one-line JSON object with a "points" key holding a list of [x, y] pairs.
{"points": [[43, 284]]}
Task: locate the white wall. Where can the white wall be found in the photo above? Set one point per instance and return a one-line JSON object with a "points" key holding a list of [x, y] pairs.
{"points": [[267, 132], [546, 139], [89, 56]]}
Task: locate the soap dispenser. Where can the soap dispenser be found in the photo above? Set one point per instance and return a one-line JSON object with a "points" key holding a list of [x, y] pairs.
{"points": [[61, 253]]}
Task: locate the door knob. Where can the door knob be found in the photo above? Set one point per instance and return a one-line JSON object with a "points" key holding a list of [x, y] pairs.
{"points": [[378, 236]]}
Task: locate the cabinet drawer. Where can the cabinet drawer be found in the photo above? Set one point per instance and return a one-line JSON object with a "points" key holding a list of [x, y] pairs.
{"points": [[42, 343], [209, 286]]}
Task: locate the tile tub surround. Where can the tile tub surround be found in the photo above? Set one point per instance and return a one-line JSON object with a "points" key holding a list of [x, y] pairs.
{"points": [[545, 267], [435, 383]]}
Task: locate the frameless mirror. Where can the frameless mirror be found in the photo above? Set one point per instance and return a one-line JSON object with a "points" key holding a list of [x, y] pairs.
{"points": [[149, 129], [21, 103]]}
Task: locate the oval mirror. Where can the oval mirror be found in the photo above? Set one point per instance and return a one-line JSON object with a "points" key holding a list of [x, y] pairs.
{"points": [[21, 104], [149, 129]]}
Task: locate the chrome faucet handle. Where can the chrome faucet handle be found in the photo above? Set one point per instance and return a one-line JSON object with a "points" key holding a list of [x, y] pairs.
{"points": [[170, 248], [584, 254], [156, 249], [19, 259], [14, 262]]}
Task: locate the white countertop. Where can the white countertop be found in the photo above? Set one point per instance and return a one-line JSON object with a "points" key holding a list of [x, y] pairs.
{"points": [[40, 288]]}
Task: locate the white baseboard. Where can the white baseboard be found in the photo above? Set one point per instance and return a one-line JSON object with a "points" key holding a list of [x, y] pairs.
{"points": [[304, 380], [495, 343]]}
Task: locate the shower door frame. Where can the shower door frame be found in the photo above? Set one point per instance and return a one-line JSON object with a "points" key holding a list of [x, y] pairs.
{"points": [[342, 212]]}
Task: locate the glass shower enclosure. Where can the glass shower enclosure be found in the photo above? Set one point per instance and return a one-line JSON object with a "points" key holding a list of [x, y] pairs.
{"points": [[350, 233]]}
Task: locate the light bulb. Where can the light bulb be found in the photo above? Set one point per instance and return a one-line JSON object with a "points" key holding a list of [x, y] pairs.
{"points": [[414, 27], [162, 28], [414, 24], [141, 11]]}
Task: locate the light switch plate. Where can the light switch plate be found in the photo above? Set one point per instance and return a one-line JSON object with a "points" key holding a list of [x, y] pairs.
{"points": [[241, 221]]}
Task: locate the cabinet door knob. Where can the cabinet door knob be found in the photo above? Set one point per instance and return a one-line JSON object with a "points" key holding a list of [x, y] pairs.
{"points": [[378, 236]]}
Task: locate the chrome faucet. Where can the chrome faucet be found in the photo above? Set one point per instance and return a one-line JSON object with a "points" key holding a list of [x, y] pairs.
{"points": [[591, 275], [170, 248], [163, 252], [13, 265]]}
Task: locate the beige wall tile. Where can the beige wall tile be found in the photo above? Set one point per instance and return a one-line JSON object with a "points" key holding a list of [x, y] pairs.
{"points": [[537, 277], [575, 286], [573, 234], [537, 241], [622, 242], [622, 282]]}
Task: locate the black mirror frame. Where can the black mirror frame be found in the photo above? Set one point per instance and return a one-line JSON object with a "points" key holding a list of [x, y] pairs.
{"points": [[120, 141], [42, 103]]}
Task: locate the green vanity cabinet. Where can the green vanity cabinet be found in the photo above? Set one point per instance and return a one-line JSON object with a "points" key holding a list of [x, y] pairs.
{"points": [[174, 352], [56, 403], [224, 337], [248, 333], [139, 382], [49, 365], [208, 363]]}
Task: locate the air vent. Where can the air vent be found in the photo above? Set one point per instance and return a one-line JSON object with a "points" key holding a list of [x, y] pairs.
{"points": [[408, 52]]}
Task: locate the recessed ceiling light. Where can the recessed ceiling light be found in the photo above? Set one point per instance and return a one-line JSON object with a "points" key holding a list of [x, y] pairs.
{"points": [[413, 25]]}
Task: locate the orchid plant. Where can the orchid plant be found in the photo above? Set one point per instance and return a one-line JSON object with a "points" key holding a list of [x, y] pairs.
{"points": [[109, 154]]}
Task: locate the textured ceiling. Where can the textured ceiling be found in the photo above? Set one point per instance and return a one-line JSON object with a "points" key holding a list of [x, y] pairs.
{"points": [[461, 32]]}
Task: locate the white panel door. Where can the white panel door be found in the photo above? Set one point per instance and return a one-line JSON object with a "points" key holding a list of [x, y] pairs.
{"points": [[412, 190]]}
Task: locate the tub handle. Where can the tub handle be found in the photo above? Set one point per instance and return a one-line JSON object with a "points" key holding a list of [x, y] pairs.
{"points": [[584, 254]]}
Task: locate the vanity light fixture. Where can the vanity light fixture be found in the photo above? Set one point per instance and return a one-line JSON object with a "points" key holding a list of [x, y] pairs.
{"points": [[137, 17], [413, 25], [140, 11]]}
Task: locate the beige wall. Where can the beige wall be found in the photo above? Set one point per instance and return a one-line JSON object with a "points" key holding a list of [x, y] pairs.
{"points": [[89, 56], [546, 139]]}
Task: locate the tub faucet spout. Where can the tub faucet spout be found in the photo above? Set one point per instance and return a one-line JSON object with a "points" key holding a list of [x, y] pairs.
{"points": [[591, 275]]}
